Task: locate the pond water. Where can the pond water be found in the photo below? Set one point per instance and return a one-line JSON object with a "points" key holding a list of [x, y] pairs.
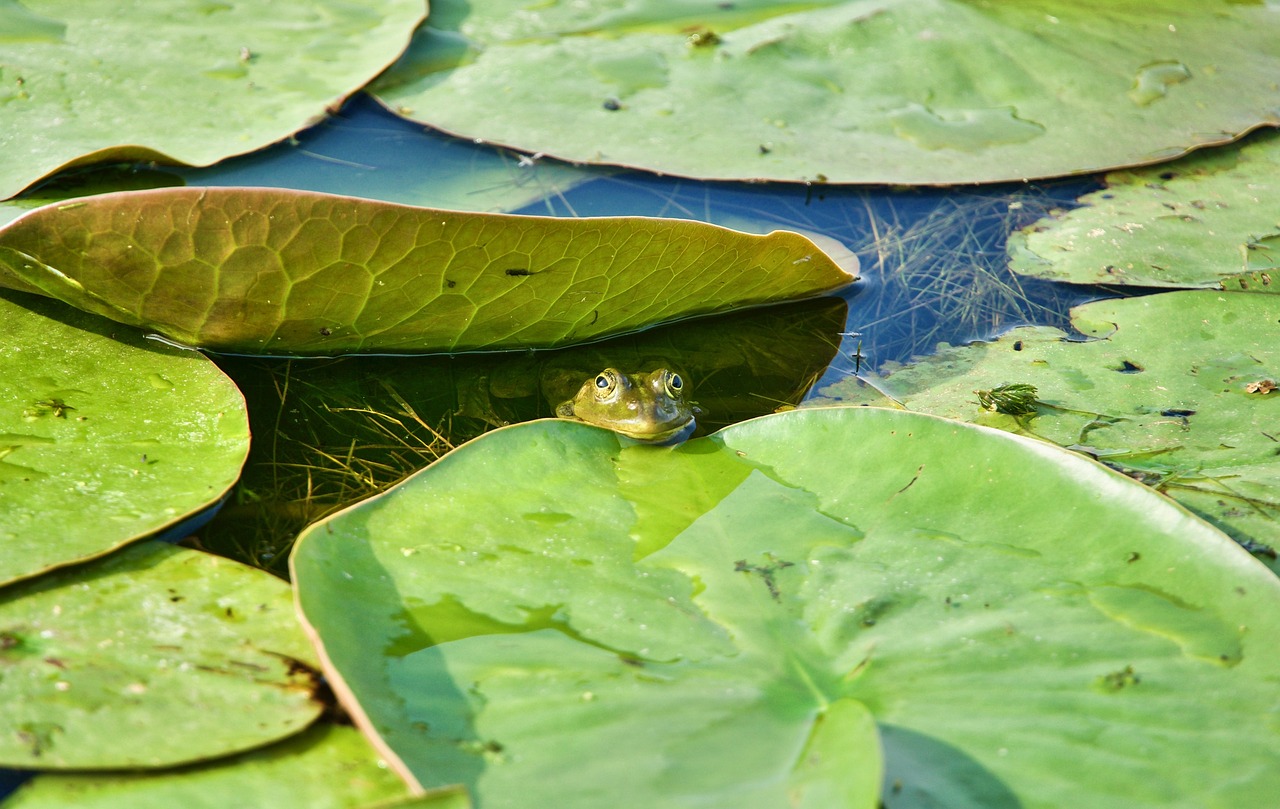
{"points": [[329, 432]]}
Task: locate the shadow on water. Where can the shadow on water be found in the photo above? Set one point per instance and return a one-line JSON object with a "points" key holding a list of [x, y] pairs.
{"points": [[329, 432]]}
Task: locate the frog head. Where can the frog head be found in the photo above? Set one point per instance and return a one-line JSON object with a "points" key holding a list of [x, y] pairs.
{"points": [[645, 407]]}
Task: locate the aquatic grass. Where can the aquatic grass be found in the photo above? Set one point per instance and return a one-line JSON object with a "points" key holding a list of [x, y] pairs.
{"points": [[322, 449], [942, 276]]}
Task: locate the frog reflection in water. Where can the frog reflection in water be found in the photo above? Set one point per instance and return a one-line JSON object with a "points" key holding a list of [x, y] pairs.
{"points": [[644, 407]]}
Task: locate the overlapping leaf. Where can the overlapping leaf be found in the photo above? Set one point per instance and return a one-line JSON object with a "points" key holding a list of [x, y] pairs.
{"points": [[710, 625], [1176, 389], [151, 657], [1210, 220], [326, 767], [276, 271], [882, 91], [186, 81], [105, 436]]}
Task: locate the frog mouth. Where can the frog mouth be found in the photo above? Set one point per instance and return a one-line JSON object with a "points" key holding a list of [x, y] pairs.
{"points": [[676, 435]]}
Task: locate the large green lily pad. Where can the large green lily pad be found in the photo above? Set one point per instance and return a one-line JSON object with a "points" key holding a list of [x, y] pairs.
{"points": [[151, 657], [1211, 220], [1173, 390], [105, 436], [188, 81], [325, 767], [710, 625], [881, 91], [258, 270]]}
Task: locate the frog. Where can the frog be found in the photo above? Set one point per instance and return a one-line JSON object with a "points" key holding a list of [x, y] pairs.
{"points": [[649, 408]]}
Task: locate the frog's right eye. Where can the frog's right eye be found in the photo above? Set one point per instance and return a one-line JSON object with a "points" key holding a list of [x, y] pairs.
{"points": [[606, 383]]}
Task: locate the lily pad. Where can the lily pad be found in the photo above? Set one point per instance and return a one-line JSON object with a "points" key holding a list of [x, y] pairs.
{"points": [[1211, 220], [186, 81], [105, 437], [1173, 390], [151, 657], [264, 271], [325, 767], [890, 91], [710, 624]]}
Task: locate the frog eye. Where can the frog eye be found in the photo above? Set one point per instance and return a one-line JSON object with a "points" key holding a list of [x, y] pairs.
{"points": [[606, 381], [674, 384]]}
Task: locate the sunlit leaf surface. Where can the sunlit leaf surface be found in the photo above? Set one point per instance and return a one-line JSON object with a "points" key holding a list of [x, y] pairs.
{"points": [[709, 625], [151, 657], [105, 437], [1209, 220], [187, 81], [881, 91], [275, 271], [1176, 389]]}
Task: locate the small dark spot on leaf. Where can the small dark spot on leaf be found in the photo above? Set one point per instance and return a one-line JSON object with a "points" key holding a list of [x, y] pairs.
{"points": [[1017, 345], [1130, 367], [55, 662], [325, 331], [1117, 680], [517, 272], [1133, 557], [699, 36], [450, 284], [1175, 412], [612, 104], [1168, 175], [631, 661]]}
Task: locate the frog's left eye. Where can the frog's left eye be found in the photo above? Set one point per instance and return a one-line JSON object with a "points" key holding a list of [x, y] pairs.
{"points": [[674, 384]]}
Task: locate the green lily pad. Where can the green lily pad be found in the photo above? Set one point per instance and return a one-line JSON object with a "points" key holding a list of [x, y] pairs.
{"points": [[105, 437], [186, 81], [325, 767], [256, 270], [1174, 391], [151, 657], [890, 91], [709, 624], [1208, 221]]}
